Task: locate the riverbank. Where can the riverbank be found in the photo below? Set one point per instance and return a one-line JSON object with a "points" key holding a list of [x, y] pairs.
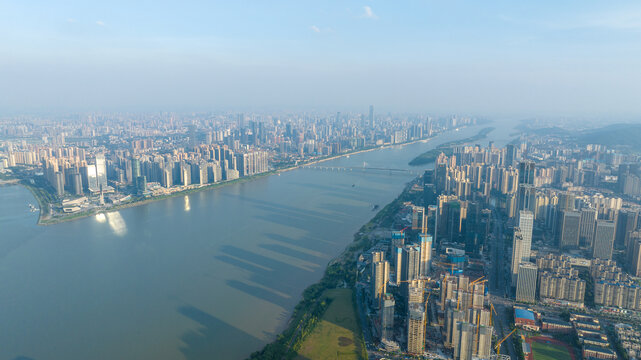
{"points": [[140, 201], [340, 273], [430, 156], [44, 200]]}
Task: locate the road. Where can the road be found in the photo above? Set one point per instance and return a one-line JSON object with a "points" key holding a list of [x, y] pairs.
{"points": [[500, 286]]}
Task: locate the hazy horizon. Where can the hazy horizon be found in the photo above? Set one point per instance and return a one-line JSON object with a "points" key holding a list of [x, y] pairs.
{"points": [[507, 60]]}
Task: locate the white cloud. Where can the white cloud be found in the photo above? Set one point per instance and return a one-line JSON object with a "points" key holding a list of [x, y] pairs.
{"points": [[622, 20], [100, 23], [315, 29], [629, 19], [369, 13]]}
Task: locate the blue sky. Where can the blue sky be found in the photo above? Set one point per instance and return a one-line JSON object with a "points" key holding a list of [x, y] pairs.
{"points": [[499, 58]]}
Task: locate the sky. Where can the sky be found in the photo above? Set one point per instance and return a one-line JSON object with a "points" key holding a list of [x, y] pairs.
{"points": [[490, 58]]}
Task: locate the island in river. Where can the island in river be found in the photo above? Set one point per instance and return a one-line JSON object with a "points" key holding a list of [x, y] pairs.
{"points": [[430, 156]]}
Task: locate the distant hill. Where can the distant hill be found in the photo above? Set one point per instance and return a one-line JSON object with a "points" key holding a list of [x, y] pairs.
{"points": [[548, 131], [613, 135]]}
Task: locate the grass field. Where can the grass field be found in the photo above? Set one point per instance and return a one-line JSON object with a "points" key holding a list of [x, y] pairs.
{"points": [[542, 351], [338, 335]]}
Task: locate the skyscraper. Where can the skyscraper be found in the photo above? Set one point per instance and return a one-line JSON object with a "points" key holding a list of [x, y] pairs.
{"points": [[522, 242], [378, 256], [419, 220], [485, 342], [627, 221], [634, 253], [398, 263], [516, 254], [416, 292], [570, 223], [603, 240], [426, 253], [526, 172], [416, 329], [586, 231], [526, 285], [387, 318], [526, 224], [398, 241], [101, 172], [463, 348], [380, 271], [410, 267], [371, 116], [454, 317], [510, 155]]}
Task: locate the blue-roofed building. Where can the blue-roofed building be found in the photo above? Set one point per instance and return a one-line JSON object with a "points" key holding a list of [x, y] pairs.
{"points": [[525, 319]]}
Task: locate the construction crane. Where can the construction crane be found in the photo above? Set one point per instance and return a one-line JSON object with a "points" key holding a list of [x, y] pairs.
{"points": [[404, 281], [498, 345], [447, 264], [477, 281], [493, 311], [426, 300]]}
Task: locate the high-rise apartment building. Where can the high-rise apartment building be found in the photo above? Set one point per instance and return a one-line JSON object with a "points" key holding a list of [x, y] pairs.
{"points": [[626, 221], [453, 318], [416, 329], [526, 196], [380, 273], [510, 155], [419, 220], [526, 284], [526, 172], [603, 239], [485, 342], [516, 254], [387, 318], [463, 349], [522, 242], [410, 263], [416, 292], [570, 223], [425, 242], [634, 253], [586, 230], [101, 172]]}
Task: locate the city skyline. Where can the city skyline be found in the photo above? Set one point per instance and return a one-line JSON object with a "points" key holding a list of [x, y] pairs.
{"points": [[364, 179]]}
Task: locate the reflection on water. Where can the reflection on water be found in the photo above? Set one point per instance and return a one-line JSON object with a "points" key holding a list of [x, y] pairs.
{"points": [[215, 283], [117, 223], [101, 218]]}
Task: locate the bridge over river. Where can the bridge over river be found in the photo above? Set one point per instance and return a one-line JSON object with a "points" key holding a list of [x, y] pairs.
{"points": [[391, 171]]}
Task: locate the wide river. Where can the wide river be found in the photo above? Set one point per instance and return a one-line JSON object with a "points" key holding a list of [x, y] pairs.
{"points": [[212, 275]]}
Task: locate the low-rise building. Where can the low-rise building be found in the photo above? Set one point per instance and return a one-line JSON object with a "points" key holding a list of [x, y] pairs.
{"points": [[552, 325], [525, 319], [629, 338], [596, 352]]}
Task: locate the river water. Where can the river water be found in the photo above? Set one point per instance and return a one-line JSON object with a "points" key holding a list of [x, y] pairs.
{"points": [[211, 275]]}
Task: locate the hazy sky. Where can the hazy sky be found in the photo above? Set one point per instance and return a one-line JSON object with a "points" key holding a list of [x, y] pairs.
{"points": [[447, 56]]}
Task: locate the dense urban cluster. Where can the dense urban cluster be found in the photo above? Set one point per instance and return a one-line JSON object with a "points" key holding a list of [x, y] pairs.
{"points": [[88, 163], [536, 245]]}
